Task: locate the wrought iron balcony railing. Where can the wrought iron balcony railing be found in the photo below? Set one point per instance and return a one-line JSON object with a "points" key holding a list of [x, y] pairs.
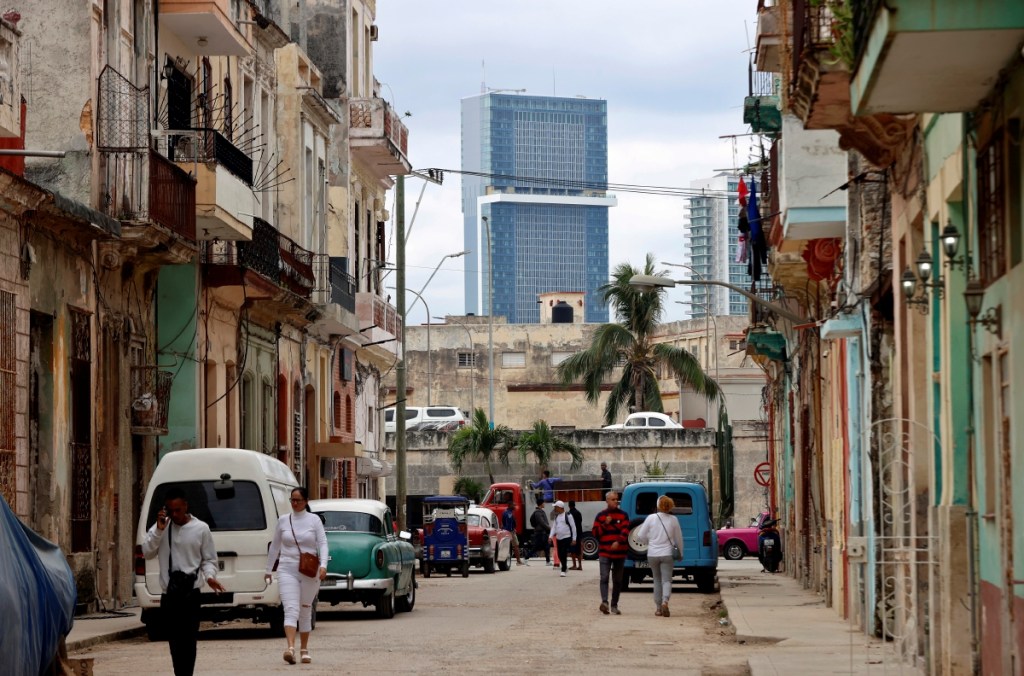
{"points": [[209, 145], [271, 254], [333, 283]]}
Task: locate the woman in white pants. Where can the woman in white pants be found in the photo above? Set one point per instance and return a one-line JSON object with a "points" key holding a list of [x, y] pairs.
{"points": [[297, 532], [661, 531]]}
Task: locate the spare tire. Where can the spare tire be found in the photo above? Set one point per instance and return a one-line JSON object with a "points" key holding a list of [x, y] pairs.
{"points": [[637, 549]]}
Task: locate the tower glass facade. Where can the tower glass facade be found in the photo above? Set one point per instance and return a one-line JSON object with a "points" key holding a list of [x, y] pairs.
{"points": [[543, 162]]}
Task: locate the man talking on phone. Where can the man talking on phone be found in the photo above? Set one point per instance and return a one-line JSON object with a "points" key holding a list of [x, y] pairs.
{"points": [[188, 559]]}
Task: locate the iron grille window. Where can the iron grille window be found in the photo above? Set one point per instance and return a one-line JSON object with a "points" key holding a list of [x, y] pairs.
{"points": [[81, 432], [467, 360], [991, 184]]}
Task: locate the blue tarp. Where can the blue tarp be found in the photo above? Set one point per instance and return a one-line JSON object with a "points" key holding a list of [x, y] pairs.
{"points": [[37, 597]]}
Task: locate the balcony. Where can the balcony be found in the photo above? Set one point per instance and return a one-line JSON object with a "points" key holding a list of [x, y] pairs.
{"points": [[335, 296], [931, 57], [10, 81], [811, 167], [207, 27], [770, 19], [380, 323], [151, 399], [819, 80], [224, 197], [761, 107], [378, 137], [277, 273]]}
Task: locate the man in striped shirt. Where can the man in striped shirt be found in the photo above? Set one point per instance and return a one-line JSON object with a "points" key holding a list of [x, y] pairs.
{"points": [[611, 528]]}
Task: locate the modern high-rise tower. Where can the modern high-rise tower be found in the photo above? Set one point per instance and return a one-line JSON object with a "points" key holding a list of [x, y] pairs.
{"points": [[538, 174]]}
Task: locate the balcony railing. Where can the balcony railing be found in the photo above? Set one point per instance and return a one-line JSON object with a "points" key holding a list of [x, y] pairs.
{"points": [[270, 254], [812, 30], [333, 283], [151, 399], [864, 13], [172, 196], [209, 145]]}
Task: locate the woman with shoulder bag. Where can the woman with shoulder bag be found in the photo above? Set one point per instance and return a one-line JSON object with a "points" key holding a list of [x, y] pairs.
{"points": [[664, 541], [299, 550]]}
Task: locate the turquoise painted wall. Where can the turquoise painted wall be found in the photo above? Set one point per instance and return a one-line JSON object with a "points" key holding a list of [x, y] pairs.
{"points": [[177, 310], [938, 15]]}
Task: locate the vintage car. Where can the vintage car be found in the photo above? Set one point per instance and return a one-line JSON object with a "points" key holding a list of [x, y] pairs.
{"points": [[369, 563], [445, 541], [489, 544], [735, 543]]}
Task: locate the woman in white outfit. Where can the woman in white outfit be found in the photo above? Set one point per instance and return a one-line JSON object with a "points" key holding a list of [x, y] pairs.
{"points": [[661, 531], [299, 531]]}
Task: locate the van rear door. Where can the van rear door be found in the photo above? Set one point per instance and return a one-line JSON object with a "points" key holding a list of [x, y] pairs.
{"points": [[242, 521], [689, 523]]}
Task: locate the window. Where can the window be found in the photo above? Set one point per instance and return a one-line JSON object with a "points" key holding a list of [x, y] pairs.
{"points": [[558, 357], [467, 360], [512, 360], [991, 219], [237, 508]]}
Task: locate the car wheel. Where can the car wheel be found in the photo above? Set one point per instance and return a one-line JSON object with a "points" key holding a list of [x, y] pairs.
{"points": [[589, 546], [489, 565], [404, 604], [733, 550], [426, 569], [637, 549], [386, 606], [465, 568], [277, 621], [706, 581], [507, 563], [156, 628]]}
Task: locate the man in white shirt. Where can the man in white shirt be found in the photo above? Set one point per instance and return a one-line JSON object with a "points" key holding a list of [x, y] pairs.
{"points": [[188, 559], [563, 530]]}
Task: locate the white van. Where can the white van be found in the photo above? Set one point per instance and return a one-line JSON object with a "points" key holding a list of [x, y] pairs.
{"points": [[240, 495], [417, 415]]}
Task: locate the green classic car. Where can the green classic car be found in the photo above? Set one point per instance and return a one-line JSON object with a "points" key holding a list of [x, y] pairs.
{"points": [[369, 563]]}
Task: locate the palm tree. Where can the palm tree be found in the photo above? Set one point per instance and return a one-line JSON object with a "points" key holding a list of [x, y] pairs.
{"points": [[629, 343], [541, 443], [478, 441]]}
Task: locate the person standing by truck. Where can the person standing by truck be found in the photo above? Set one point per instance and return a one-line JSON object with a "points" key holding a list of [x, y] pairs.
{"points": [[508, 522], [546, 486], [563, 532], [611, 528], [541, 526], [576, 550]]}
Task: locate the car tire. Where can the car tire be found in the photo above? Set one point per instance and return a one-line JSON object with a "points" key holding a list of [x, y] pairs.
{"points": [[706, 581], [589, 547], [465, 568], [734, 550], [385, 605], [156, 628], [488, 565], [405, 604], [507, 563], [277, 621], [637, 549]]}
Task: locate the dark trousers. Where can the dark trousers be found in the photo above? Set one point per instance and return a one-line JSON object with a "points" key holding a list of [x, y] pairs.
{"points": [[181, 620], [541, 541], [611, 568], [563, 552]]}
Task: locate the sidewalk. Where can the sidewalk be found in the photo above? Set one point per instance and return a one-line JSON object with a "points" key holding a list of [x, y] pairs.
{"points": [[96, 628], [798, 634]]}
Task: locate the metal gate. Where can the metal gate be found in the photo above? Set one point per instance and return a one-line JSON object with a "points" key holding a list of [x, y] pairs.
{"points": [[903, 551]]}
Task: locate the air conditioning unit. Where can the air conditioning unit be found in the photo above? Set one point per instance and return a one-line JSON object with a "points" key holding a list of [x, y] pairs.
{"points": [[373, 32]]}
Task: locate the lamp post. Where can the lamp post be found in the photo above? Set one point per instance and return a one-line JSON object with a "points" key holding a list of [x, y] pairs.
{"points": [[653, 282], [707, 331], [430, 361], [490, 322], [472, 352], [439, 263]]}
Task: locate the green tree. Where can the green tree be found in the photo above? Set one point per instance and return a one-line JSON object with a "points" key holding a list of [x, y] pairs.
{"points": [[630, 342], [469, 488], [477, 441], [541, 444]]}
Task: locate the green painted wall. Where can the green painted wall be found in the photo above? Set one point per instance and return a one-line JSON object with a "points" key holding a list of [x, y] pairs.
{"points": [[939, 15], [177, 324]]}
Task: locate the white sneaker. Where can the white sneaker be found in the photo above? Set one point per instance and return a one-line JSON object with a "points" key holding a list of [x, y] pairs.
{"points": [[561, 575]]}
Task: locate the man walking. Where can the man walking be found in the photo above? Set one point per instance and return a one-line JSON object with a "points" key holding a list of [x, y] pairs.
{"points": [[188, 559], [563, 532], [508, 522], [611, 528], [541, 526], [576, 550]]}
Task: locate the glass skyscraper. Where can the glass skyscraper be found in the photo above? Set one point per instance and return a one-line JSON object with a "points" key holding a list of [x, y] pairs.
{"points": [[538, 173]]}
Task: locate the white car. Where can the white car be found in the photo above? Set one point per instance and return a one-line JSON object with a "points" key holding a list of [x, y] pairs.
{"points": [[645, 420], [419, 415]]}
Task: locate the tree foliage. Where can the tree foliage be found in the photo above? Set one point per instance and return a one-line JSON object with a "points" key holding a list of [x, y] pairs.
{"points": [[540, 444], [630, 343], [477, 441]]}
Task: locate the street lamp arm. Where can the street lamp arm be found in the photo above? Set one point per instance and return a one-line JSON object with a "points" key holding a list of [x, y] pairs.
{"points": [[652, 282]]}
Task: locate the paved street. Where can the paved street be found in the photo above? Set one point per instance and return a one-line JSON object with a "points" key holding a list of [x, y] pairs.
{"points": [[528, 619]]}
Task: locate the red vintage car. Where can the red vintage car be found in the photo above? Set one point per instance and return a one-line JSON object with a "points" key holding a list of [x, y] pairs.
{"points": [[735, 543], [489, 544]]}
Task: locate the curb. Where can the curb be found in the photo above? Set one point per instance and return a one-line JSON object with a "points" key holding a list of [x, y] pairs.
{"points": [[92, 641]]}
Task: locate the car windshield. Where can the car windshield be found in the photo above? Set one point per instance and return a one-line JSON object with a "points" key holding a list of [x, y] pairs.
{"points": [[351, 522], [238, 507], [473, 520]]}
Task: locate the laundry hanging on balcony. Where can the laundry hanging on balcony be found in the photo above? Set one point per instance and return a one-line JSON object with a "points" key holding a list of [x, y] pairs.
{"points": [[758, 245]]}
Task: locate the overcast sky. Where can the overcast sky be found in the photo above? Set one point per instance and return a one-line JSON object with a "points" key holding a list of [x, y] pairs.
{"points": [[674, 73]]}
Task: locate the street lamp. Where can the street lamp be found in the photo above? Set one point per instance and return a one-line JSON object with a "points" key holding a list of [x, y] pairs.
{"points": [[430, 370], [707, 332], [653, 282], [439, 263], [472, 353], [490, 321]]}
